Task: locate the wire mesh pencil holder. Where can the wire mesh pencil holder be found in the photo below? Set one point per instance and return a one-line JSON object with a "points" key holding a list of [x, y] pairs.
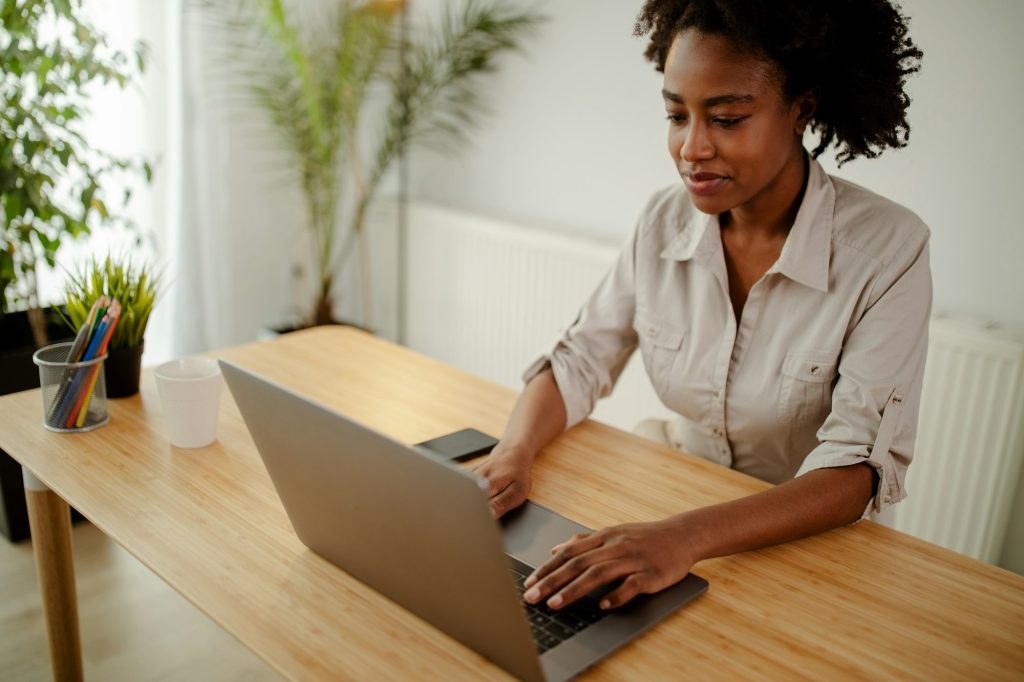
{"points": [[74, 393]]}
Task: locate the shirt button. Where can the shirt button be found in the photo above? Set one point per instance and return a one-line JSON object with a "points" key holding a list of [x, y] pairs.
{"points": [[815, 370], [887, 499], [651, 331]]}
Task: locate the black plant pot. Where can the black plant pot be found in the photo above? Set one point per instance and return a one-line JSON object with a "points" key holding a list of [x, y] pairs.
{"points": [[288, 329], [121, 371], [19, 373]]}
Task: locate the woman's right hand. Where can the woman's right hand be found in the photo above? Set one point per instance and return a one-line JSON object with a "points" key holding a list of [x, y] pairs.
{"points": [[507, 470]]}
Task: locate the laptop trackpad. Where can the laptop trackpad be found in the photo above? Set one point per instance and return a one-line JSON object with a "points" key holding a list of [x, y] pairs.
{"points": [[532, 530]]}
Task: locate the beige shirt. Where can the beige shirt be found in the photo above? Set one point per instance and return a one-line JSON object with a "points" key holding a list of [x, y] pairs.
{"points": [[824, 368]]}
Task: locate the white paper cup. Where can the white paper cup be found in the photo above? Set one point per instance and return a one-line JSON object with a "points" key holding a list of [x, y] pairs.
{"points": [[190, 394]]}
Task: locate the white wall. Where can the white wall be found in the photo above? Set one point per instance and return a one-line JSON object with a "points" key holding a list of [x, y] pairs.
{"points": [[576, 137], [576, 140]]}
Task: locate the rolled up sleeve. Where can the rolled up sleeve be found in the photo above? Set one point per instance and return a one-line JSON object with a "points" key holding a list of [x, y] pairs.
{"points": [[876, 399], [588, 357]]}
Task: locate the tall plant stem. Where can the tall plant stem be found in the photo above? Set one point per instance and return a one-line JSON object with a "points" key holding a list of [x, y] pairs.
{"points": [[324, 310], [364, 270], [324, 313], [36, 318], [364, 192]]}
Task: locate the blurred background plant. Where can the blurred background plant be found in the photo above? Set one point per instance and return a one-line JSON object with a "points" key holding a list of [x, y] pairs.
{"points": [[132, 285], [50, 177], [314, 80]]}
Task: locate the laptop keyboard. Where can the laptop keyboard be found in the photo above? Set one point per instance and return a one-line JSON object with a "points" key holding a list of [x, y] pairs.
{"points": [[550, 627]]}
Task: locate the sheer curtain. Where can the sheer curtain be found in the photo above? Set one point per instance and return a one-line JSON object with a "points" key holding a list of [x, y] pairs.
{"points": [[231, 230], [195, 315], [217, 220]]}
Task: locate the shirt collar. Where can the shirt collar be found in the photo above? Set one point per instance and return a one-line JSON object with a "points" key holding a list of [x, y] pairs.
{"points": [[807, 251], [694, 239]]}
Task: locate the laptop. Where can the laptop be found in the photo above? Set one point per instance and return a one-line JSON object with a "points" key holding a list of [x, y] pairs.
{"points": [[419, 530]]}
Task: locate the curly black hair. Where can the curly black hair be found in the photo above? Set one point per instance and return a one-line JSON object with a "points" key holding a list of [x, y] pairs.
{"points": [[854, 55]]}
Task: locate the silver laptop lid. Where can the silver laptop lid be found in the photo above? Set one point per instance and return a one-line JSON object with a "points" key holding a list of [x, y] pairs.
{"points": [[411, 526]]}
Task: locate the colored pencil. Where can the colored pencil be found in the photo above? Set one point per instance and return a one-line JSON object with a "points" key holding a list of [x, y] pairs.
{"points": [[84, 409]]}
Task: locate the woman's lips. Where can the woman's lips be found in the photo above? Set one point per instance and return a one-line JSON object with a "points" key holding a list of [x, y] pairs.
{"points": [[704, 183]]}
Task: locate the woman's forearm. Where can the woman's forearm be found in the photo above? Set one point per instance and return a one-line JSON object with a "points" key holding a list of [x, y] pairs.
{"points": [[648, 557], [538, 417], [813, 503]]}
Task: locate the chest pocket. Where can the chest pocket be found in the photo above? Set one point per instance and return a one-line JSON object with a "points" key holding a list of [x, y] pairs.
{"points": [[659, 346], [805, 392]]}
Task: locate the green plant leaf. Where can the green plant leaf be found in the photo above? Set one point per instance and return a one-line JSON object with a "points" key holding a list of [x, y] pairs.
{"points": [[13, 205], [99, 207]]}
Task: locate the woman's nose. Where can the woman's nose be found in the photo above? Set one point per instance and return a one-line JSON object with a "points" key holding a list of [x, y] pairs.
{"points": [[697, 145]]}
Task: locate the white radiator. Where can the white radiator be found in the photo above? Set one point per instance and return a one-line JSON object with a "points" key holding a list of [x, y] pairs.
{"points": [[487, 296], [970, 442]]}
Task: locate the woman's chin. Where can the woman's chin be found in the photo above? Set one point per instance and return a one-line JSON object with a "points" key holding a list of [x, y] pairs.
{"points": [[710, 205]]}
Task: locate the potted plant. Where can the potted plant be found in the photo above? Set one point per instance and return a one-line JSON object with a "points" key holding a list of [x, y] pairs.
{"points": [[50, 182], [135, 289], [315, 84]]}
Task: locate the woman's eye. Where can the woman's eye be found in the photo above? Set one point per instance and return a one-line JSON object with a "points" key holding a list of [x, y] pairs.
{"points": [[727, 122], [676, 118]]}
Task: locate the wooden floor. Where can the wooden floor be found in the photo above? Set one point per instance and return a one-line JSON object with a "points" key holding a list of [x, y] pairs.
{"points": [[134, 627]]}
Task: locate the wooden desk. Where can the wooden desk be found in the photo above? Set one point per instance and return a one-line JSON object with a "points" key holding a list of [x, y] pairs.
{"points": [[859, 602]]}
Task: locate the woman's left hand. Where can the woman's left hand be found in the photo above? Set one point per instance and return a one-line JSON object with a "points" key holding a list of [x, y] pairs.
{"points": [[648, 557]]}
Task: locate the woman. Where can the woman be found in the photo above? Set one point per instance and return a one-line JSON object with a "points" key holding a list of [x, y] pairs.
{"points": [[780, 311]]}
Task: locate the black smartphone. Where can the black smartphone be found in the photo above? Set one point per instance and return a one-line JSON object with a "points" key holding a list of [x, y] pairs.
{"points": [[460, 445]]}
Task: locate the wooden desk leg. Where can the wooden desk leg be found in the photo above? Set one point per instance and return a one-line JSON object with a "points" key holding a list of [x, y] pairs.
{"points": [[49, 518]]}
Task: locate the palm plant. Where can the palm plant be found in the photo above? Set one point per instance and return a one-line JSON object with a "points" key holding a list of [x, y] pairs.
{"points": [[315, 84]]}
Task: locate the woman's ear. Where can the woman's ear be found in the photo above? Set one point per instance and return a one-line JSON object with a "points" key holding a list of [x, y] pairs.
{"points": [[805, 105]]}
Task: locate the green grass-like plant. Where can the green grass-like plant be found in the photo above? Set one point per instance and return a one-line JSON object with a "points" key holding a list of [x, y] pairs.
{"points": [[133, 286]]}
